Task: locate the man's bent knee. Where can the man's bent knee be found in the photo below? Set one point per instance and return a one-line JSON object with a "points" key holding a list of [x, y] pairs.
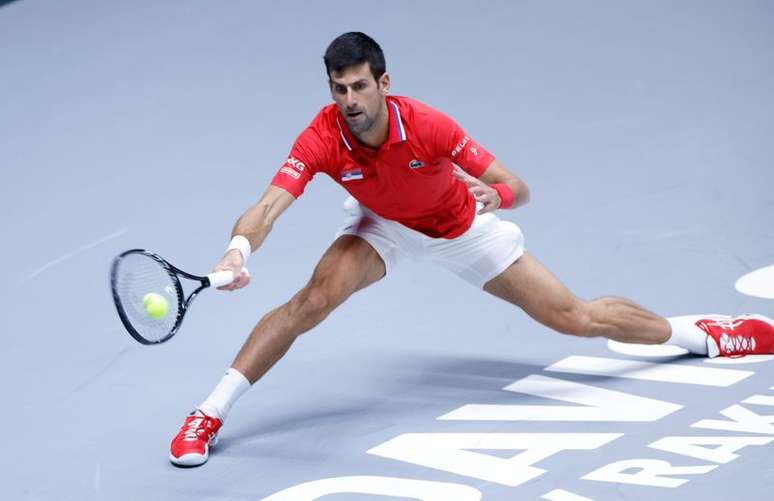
{"points": [[348, 265], [314, 302]]}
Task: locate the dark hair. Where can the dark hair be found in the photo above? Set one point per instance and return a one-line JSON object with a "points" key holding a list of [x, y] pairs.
{"points": [[354, 48]]}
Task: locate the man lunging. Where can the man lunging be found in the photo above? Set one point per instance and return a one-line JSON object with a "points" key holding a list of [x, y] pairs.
{"points": [[420, 188]]}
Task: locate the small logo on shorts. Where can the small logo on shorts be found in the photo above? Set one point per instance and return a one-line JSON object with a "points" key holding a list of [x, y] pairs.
{"points": [[415, 164]]}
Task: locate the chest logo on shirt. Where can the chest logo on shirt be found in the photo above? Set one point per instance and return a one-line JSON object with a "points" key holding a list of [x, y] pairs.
{"points": [[351, 174], [415, 164]]}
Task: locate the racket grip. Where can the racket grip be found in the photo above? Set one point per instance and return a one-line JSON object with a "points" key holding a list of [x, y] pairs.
{"points": [[220, 278]]}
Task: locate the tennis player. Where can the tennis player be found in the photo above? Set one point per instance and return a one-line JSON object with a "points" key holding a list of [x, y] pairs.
{"points": [[421, 188]]}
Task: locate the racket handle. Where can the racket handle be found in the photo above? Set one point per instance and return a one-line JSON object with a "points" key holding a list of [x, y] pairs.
{"points": [[220, 278]]}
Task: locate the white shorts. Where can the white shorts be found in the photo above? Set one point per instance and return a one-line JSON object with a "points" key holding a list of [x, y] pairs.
{"points": [[477, 256]]}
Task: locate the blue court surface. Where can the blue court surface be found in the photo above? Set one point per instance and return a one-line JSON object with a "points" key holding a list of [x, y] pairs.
{"points": [[645, 131]]}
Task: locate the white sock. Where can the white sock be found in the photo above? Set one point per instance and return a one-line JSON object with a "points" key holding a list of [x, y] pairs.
{"points": [[686, 334], [231, 387]]}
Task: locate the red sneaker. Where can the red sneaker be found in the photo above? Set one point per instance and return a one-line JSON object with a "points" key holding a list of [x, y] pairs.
{"points": [[738, 336], [191, 445]]}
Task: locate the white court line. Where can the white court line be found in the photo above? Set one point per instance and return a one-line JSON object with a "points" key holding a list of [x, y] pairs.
{"points": [[562, 495], [74, 253], [757, 283]]}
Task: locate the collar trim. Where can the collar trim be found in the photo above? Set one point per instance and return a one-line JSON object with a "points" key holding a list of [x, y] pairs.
{"points": [[343, 137], [398, 126], [397, 131]]}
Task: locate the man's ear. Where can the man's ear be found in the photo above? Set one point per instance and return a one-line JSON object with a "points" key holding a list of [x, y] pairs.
{"points": [[384, 84]]}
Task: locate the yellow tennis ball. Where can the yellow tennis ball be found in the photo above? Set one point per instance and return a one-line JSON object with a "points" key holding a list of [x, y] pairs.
{"points": [[156, 305]]}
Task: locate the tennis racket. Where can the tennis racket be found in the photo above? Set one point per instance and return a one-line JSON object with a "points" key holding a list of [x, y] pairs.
{"points": [[137, 273]]}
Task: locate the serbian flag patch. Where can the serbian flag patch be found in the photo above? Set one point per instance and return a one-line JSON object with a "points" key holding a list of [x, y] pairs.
{"points": [[351, 174]]}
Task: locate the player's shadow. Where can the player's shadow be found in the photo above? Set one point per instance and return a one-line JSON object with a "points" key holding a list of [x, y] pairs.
{"points": [[409, 397], [414, 392]]}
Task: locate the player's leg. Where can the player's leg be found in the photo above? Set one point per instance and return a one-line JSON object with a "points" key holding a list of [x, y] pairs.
{"points": [[495, 248], [348, 265], [529, 285]]}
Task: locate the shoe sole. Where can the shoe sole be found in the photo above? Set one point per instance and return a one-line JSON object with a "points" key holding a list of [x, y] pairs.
{"points": [[193, 459]]}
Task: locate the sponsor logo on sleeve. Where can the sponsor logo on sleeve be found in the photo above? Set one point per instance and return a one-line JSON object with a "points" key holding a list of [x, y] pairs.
{"points": [[457, 149], [296, 164], [474, 150], [290, 172]]}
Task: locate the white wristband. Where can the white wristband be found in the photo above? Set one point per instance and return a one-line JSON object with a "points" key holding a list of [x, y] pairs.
{"points": [[242, 244]]}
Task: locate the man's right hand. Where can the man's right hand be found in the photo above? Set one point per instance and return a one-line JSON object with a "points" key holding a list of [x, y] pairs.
{"points": [[232, 261]]}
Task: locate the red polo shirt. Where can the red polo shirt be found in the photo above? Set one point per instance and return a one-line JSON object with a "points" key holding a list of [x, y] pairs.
{"points": [[407, 179]]}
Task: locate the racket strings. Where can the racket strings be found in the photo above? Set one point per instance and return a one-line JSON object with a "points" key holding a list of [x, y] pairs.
{"points": [[138, 275]]}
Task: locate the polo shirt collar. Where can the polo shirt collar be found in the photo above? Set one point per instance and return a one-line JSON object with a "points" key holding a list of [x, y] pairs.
{"points": [[396, 131]]}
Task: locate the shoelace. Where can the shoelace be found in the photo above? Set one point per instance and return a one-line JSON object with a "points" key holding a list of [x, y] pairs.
{"points": [[194, 429], [737, 344]]}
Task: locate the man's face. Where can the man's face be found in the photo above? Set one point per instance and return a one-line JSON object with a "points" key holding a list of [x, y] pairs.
{"points": [[359, 97]]}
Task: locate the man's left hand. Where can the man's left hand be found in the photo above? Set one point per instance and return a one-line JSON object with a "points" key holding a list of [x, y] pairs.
{"points": [[481, 191]]}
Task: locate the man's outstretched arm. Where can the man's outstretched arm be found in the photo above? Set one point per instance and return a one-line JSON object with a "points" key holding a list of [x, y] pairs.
{"points": [[255, 225]]}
